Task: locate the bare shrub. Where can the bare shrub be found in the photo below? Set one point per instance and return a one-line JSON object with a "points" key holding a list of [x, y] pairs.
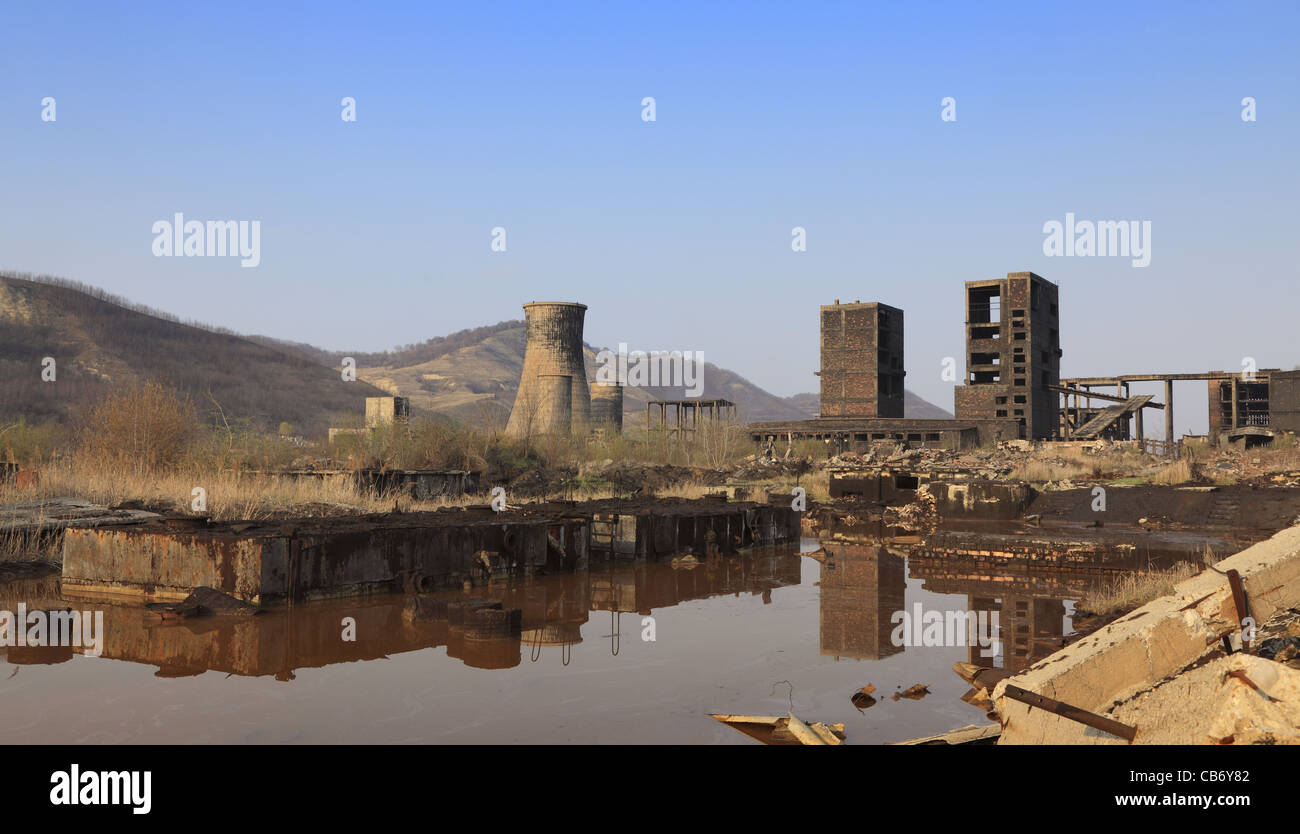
{"points": [[141, 426]]}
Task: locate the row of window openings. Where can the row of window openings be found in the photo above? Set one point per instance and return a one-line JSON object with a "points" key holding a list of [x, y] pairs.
{"points": [[995, 378], [996, 359], [1018, 399], [994, 334]]}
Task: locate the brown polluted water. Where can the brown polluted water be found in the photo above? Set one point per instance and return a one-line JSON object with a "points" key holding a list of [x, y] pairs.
{"points": [[624, 652]]}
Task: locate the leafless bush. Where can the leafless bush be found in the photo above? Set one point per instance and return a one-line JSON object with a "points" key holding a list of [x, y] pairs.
{"points": [[144, 426]]}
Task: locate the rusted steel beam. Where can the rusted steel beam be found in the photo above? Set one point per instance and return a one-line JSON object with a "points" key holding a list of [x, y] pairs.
{"points": [[1239, 600], [1073, 713]]}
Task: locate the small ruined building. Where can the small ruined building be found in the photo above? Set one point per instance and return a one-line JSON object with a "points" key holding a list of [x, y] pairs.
{"points": [[380, 412]]}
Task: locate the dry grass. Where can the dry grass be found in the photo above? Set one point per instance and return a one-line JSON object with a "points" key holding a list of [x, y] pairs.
{"points": [[17, 547], [1178, 472], [1133, 590], [817, 484], [1042, 471], [1282, 455], [230, 495], [688, 489]]}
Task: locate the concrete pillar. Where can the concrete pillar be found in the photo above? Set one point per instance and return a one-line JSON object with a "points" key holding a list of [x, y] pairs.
{"points": [[1234, 401], [1138, 418], [1169, 411]]}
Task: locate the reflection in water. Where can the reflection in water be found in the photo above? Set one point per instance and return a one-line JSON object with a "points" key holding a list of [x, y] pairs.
{"points": [[862, 585], [575, 665], [553, 610]]}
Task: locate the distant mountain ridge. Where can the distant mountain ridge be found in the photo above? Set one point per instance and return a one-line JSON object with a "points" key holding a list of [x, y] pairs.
{"points": [[97, 339], [914, 408], [471, 375]]}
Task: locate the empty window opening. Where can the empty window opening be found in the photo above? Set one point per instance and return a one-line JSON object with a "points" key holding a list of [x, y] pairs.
{"points": [[984, 305]]}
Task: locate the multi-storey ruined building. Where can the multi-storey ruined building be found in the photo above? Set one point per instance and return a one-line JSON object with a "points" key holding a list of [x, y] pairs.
{"points": [[1237, 402], [1013, 354], [862, 360]]}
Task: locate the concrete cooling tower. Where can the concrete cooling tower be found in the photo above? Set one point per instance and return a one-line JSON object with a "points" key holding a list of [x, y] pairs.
{"points": [[607, 407], [545, 405]]}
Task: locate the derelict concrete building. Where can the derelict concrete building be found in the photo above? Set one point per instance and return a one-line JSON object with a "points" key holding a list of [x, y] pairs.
{"points": [[862, 395], [1284, 401], [1013, 354], [544, 404], [862, 360]]}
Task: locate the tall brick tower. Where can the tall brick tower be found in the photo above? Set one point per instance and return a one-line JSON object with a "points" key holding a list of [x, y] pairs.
{"points": [[862, 360], [553, 348], [1013, 352]]}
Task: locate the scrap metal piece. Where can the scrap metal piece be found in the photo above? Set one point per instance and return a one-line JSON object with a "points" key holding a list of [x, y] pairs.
{"points": [[1239, 601], [1073, 713]]}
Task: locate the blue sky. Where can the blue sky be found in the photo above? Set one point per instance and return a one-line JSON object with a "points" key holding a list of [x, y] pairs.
{"points": [[675, 233]]}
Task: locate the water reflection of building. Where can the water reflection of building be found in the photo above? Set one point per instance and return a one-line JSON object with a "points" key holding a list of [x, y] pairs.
{"points": [[1030, 604], [862, 585], [552, 611]]}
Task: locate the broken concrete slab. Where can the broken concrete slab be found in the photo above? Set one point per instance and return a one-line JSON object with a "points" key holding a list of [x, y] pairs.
{"points": [[1157, 642], [324, 557], [1236, 699], [308, 559], [47, 514], [786, 729]]}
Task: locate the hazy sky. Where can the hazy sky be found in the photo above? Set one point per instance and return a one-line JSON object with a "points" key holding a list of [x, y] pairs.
{"points": [[677, 232]]}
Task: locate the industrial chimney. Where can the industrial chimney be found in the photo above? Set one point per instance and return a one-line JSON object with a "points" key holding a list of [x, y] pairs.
{"points": [[554, 348]]}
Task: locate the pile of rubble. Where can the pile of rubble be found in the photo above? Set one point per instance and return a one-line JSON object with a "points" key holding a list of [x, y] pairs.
{"points": [[1258, 467], [920, 516], [988, 462]]}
